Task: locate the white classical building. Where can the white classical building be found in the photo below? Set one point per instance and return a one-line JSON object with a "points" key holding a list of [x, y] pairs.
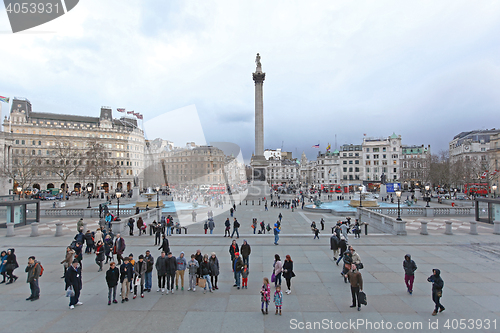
{"points": [[472, 146], [382, 156]]}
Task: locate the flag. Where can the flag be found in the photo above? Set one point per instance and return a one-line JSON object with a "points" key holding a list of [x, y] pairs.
{"points": [[494, 172], [139, 116], [4, 99], [484, 174], [120, 110], [316, 146], [130, 112], [329, 147]]}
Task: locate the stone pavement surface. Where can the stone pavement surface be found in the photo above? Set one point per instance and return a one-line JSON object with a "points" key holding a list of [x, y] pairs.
{"points": [[469, 265]]}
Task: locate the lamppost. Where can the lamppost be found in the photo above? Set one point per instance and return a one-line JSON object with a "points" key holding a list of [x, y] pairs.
{"points": [[157, 196], [398, 194], [19, 190], [89, 188], [494, 188], [428, 198], [118, 195], [360, 188]]}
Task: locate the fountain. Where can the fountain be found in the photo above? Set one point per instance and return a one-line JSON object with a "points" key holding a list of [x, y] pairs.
{"points": [[150, 203], [367, 199]]}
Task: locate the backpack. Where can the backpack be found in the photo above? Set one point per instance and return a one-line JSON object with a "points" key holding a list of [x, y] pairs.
{"points": [[73, 245], [41, 268]]}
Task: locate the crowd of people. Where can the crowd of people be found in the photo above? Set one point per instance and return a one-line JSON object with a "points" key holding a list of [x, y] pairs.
{"points": [[135, 276]]}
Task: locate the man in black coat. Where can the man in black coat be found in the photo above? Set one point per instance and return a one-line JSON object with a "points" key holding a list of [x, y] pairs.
{"points": [[161, 269], [164, 245], [410, 267], [171, 268], [334, 246], [112, 278], [227, 231], [73, 280], [437, 290], [236, 226], [343, 248]]}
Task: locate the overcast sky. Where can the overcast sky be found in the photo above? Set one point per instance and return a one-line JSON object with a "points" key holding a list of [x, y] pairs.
{"points": [[426, 70]]}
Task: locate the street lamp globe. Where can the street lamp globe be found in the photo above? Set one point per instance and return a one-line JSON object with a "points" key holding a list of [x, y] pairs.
{"points": [[19, 189], [427, 187], [118, 195], [398, 194], [89, 188]]}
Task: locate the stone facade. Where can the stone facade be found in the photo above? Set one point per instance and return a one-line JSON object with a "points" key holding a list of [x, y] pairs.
{"points": [[415, 166], [37, 135]]}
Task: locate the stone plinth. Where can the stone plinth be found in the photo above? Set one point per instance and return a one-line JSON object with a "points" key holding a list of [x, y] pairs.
{"points": [[135, 193], [423, 228], [448, 230], [496, 228], [34, 229], [473, 228], [10, 230], [59, 229]]}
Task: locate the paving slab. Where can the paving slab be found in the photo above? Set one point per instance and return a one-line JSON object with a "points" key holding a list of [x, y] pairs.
{"points": [[470, 268]]}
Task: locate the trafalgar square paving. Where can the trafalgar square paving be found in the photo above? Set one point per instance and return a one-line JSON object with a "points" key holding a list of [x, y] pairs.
{"points": [[319, 300]]}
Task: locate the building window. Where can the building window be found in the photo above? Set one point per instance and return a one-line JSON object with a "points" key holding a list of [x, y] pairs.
{"points": [[395, 170], [350, 162], [356, 162], [367, 150], [375, 150], [367, 157]]}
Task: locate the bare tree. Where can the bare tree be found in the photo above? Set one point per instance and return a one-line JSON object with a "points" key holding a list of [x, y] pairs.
{"points": [[439, 174], [98, 162], [65, 161], [24, 169]]}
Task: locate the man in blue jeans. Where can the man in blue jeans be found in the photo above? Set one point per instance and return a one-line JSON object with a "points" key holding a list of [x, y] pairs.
{"points": [[237, 267], [277, 230], [236, 226], [149, 270]]}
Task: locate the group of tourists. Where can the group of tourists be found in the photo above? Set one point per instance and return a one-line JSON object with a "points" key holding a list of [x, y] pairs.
{"points": [[352, 264]]}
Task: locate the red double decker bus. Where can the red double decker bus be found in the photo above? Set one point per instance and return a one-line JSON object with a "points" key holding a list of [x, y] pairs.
{"points": [[476, 188]]}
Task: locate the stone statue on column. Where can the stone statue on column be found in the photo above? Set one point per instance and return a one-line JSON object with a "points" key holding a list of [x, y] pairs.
{"points": [[257, 62]]}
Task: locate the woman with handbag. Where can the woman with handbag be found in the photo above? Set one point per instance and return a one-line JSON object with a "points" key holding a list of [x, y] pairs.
{"points": [[277, 269], [99, 255], [68, 260], [10, 265], [288, 273], [205, 273]]}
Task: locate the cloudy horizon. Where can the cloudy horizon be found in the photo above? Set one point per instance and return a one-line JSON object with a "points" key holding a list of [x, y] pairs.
{"points": [[426, 71]]}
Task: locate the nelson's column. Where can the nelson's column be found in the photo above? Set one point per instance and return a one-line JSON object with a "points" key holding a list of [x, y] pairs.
{"points": [[259, 187]]}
